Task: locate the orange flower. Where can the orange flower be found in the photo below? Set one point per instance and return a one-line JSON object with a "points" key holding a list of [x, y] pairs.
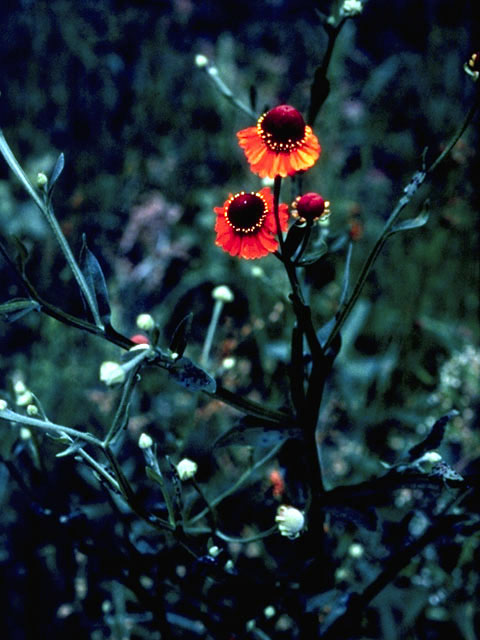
{"points": [[280, 144], [246, 224]]}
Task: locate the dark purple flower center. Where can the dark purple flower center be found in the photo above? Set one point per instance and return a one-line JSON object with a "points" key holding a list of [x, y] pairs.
{"points": [[246, 212], [282, 126]]}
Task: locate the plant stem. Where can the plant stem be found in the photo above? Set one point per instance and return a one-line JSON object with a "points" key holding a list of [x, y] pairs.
{"points": [[8, 414], [47, 211], [207, 345]]}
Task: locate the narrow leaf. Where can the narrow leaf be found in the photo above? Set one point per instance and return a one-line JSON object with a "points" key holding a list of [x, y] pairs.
{"points": [[411, 223], [189, 375], [293, 240], [346, 276], [95, 280], [56, 171], [434, 438], [181, 335], [257, 433], [314, 257], [16, 308]]}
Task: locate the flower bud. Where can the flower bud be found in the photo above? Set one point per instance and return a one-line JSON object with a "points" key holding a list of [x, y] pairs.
{"points": [[145, 322], [310, 207], [472, 67], [145, 441], [186, 469], [223, 293], [351, 8], [32, 410], [24, 399], [201, 61], [269, 612], [290, 521], [19, 387], [111, 373], [356, 550], [42, 180], [3, 405], [25, 434], [139, 338], [214, 551]]}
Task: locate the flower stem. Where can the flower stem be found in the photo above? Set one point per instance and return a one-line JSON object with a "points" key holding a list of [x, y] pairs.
{"points": [[207, 345]]}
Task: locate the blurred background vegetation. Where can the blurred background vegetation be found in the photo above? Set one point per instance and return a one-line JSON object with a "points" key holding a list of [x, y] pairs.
{"points": [[150, 149]]}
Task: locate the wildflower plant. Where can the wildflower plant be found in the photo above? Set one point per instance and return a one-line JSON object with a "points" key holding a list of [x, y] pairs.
{"points": [[182, 561]]}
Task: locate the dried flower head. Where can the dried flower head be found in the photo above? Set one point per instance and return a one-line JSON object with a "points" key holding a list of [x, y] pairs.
{"points": [[280, 144], [246, 224]]}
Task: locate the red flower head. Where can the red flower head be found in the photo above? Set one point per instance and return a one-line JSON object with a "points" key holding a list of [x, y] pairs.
{"points": [[310, 207], [280, 144], [246, 224]]}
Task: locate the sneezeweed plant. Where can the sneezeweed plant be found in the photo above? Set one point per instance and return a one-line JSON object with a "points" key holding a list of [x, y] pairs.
{"points": [[249, 225]]}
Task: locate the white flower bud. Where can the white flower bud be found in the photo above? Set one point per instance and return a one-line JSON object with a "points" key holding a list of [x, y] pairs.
{"points": [[42, 180], [431, 456], [257, 272], [269, 612], [25, 434], [111, 373], [3, 405], [228, 363], [145, 322], [355, 550], [229, 566], [24, 398], [290, 521], [32, 410], [201, 60], [223, 293], [186, 469], [214, 551], [19, 387], [351, 8], [145, 441]]}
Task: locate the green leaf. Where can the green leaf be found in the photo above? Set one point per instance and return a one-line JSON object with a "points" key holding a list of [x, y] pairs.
{"points": [[411, 223], [95, 280], [179, 341], [56, 171], [189, 375], [257, 433], [16, 308], [314, 257], [434, 438], [295, 235]]}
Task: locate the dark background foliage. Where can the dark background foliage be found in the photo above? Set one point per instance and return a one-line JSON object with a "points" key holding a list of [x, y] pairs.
{"points": [[150, 149]]}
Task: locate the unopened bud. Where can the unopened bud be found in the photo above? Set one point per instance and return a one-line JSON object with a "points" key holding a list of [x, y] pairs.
{"points": [[201, 60], [25, 434], [269, 612], [3, 405], [186, 469], [24, 398], [111, 373], [214, 551], [145, 441], [19, 387], [145, 322], [32, 410], [42, 180], [356, 550], [223, 293]]}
